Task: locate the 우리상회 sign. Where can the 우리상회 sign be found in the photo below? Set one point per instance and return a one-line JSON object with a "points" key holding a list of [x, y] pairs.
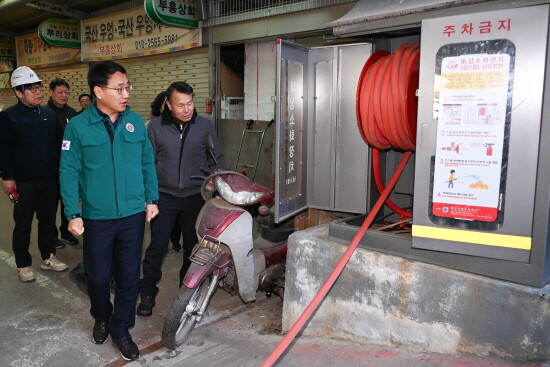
{"points": [[60, 33]]}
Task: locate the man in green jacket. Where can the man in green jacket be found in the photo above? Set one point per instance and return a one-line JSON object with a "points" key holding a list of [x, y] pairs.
{"points": [[107, 161]]}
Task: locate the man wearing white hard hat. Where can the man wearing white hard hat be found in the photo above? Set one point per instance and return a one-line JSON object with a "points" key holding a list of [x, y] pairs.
{"points": [[30, 146]]}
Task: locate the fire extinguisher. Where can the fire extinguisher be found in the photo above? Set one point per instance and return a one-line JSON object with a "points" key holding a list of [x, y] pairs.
{"points": [[208, 106]]}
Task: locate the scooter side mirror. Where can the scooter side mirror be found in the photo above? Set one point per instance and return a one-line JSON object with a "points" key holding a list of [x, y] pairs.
{"points": [[210, 149]]}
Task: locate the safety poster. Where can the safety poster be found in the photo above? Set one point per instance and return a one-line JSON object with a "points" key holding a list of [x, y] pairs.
{"points": [[472, 110]]}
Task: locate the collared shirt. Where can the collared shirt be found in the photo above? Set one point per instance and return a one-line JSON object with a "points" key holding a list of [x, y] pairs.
{"points": [[103, 114]]}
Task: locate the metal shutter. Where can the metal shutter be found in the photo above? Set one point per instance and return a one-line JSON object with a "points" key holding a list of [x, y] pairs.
{"points": [[7, 98], [151, 75]]}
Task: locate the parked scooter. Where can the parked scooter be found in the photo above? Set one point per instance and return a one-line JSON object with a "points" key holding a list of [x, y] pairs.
{"points": [[227, 255]]}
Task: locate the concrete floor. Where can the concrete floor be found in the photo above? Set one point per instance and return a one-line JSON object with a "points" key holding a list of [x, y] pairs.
{"points": [[47, 323]]}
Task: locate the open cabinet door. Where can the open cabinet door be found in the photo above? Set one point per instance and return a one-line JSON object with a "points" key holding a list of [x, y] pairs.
{"points": [[291, 138], [321, 159]]}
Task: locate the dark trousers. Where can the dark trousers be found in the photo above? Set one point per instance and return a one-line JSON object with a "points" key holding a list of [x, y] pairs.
{"points": [[113, 248], [38, 197], [176, 232], [64, 221], [161, 228]]}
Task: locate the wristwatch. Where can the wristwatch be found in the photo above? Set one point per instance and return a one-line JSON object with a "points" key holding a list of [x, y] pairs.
{"points": [[155, 202], [74, 216]]}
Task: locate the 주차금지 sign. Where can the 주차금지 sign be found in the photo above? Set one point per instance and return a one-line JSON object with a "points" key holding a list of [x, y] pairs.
{"points": [[60, 33], [132, 33], [34, 53], [177, 13]]}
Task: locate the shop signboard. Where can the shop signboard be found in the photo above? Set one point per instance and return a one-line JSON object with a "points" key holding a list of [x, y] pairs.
{"points": [[6, 66], [4, 80], [60, 33], [34, 53], [7, 59], [176, 13], [7, 51], [132, 33]]}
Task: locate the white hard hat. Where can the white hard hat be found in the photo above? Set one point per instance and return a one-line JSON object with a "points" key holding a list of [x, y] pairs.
{"points": [[23, 75]]}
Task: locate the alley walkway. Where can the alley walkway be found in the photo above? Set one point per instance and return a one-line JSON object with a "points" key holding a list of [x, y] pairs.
{"points": [[47, 323]]}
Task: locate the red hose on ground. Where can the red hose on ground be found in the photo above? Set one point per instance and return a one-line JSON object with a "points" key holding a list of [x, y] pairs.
{"points": [[304, 317], [386, 117]]}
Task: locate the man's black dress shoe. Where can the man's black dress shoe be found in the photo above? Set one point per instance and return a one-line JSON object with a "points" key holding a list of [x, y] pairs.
{"points": [[128, 349], [145, 307], [69, 238], [101, 332]]}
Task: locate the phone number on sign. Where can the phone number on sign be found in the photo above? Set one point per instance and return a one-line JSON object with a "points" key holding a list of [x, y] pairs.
{"points": [[156, 41]]}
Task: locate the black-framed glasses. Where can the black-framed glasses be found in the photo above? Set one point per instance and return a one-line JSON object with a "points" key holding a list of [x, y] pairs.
{"points": [[127, 88], [34, 88]]}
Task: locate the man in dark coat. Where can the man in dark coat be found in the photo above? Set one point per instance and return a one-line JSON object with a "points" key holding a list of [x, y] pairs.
{"points": [[180, 139], [60, 92]]}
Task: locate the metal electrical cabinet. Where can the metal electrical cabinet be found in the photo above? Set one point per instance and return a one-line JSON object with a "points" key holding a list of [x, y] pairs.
{"points": [[322, 161], [481, 199], [481, 187]]}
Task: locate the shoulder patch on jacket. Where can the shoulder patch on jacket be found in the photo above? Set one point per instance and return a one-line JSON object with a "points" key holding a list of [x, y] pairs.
{"points": [[66, 145]]}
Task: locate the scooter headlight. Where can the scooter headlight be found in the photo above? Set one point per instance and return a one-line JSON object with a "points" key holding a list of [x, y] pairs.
{"points": [[236, 198]]}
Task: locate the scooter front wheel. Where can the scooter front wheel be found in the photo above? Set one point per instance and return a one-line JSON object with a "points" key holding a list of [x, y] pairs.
{"points": [[183, 314]]}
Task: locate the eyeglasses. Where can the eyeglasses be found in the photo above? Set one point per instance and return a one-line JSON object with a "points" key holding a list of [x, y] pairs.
{"points": [[34, 88], [127, 88]]}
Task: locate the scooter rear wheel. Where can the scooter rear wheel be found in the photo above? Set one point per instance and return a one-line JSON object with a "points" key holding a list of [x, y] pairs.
{"points": [[182, 316]]}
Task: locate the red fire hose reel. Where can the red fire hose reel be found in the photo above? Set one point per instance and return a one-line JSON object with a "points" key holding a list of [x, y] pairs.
{"points": [[386, 105], [386, 100], [386, 115]]}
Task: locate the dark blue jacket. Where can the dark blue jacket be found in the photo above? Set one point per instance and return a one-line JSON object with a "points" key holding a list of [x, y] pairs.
{"points": [[30, 143], [63, 114]]}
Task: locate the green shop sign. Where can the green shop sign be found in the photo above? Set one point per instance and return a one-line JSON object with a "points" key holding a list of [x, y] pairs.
{"points": [[174, 13], [60, 33], [7, 50]]}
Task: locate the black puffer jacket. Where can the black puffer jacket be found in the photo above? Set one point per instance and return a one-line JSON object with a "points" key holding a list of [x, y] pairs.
{"points": [[63, 114], [30, 143]]}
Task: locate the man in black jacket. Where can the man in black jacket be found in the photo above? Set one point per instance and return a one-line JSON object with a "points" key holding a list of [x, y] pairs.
{"points": [[30, 142], [60, 92], [85, 101], [180, 140]]}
